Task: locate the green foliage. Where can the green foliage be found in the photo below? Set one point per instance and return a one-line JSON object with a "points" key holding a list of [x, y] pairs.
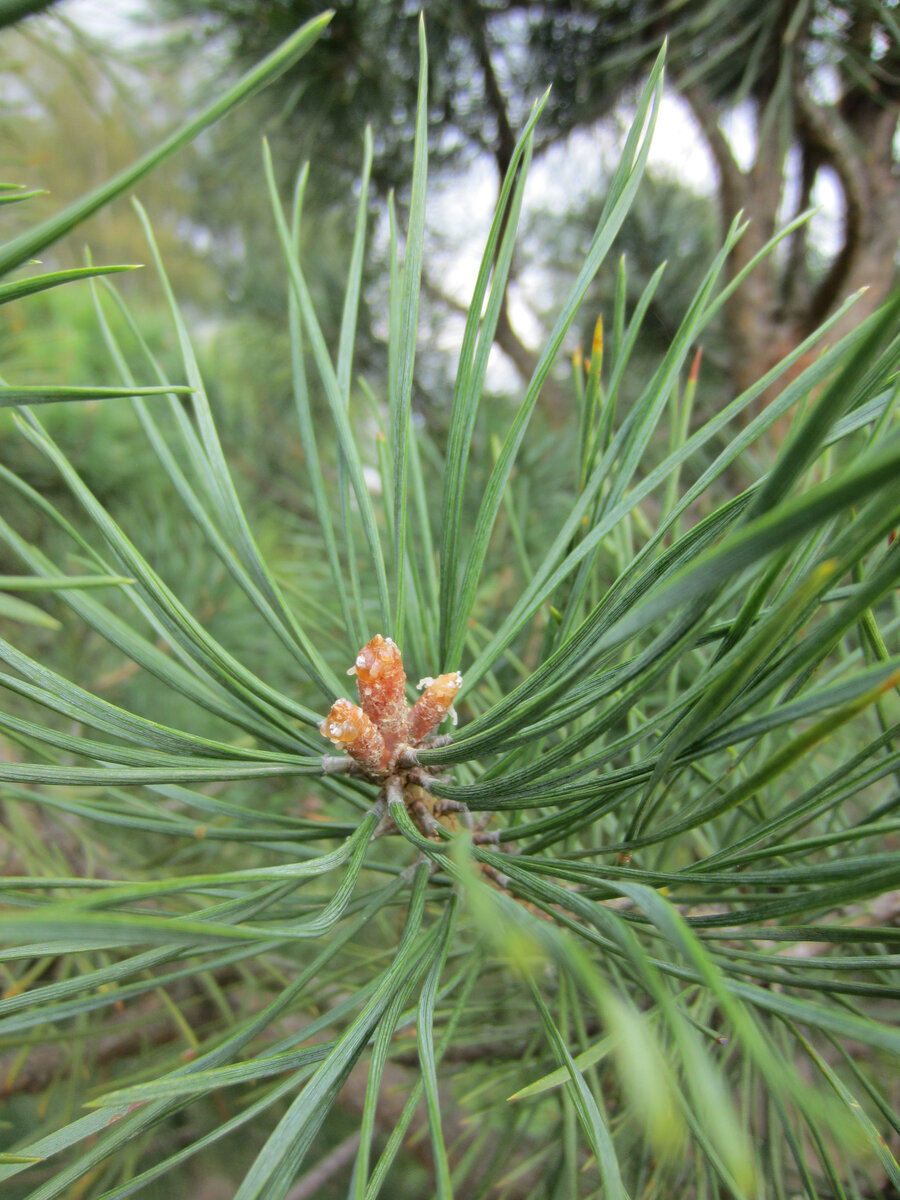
{"points": [[660, 960]]}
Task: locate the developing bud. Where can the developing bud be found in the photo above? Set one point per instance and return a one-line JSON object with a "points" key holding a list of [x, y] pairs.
{"points": [[381, 679], [348, 726], [433, 705]]}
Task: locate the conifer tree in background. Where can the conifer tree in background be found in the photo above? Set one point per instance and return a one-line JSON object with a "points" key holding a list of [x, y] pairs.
{"points": [[819, 81]]}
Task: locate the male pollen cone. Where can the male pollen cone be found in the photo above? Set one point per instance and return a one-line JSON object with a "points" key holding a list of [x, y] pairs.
{"points": [[433, 705], [381, 680], [348, 726]]}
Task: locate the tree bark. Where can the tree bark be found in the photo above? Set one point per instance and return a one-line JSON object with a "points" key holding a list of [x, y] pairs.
{"points": [[775, 309]]}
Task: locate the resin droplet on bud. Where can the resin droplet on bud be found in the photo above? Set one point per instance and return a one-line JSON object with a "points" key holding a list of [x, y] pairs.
{"points": [[433, 705], [348, 726], [381, 679]]}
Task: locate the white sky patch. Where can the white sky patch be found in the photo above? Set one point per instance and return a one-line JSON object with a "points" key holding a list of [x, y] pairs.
{"points": [[739, 127], [678, 146], [826, 226], [114, 22]]}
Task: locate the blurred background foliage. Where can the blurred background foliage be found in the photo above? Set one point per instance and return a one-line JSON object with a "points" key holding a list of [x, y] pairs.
{"points": [[754, 88], [779, 105]]}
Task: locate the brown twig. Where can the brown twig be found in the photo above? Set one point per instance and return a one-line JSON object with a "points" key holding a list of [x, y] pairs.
{"points": [[313, 1181]]}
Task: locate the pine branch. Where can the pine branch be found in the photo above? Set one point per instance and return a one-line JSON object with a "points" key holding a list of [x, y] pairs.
{"points": [[732, 181], [825, 134], [505, 141]]}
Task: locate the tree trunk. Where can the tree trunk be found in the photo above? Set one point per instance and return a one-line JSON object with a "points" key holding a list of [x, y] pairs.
{"points": [[776, 308]]}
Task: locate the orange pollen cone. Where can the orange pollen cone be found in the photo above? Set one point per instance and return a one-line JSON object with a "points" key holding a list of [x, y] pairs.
{"points": [[381, 680], [348, 726], [433, 705]]}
